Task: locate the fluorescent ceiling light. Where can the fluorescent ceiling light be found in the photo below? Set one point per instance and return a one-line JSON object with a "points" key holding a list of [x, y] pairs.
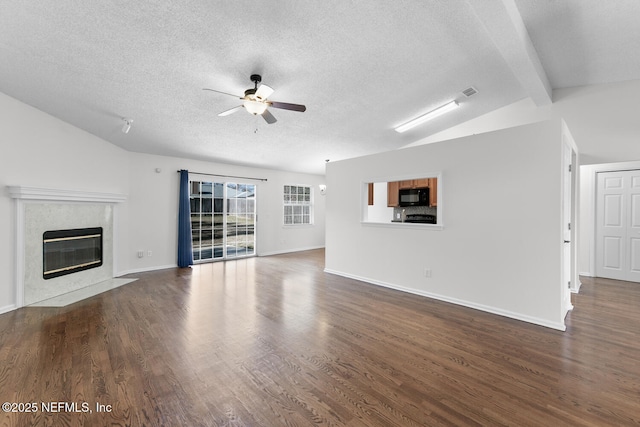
{"points": [[428, 116]]}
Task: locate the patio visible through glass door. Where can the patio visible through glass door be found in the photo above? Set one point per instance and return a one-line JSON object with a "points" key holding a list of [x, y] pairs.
{"points": [[240, 219], [222, 220]]}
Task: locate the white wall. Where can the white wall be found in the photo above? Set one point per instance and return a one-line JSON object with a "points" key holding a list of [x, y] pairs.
{"points": [[588, 179], [39, 150], [500, 248], [154, 209], [379, 211], [602, 118], [604, 123]]}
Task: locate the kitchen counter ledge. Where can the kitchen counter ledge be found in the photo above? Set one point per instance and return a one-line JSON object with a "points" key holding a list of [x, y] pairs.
{"points": [[399, 224]]}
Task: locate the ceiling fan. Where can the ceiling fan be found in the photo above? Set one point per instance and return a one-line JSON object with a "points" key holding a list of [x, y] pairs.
{"points": [[255, 101]]}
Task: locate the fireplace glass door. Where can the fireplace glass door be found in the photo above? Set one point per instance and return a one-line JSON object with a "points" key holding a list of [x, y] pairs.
{"points": [[69, 251]]}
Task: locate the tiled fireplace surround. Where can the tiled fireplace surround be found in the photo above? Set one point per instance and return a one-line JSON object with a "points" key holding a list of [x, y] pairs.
{"points": [[40, 209]]}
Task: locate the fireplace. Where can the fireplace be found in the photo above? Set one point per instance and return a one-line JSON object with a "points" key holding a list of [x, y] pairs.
{"points": [[39, 210], [69, 251]]}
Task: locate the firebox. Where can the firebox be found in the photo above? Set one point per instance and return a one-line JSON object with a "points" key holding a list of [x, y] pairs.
{"points": [[70, 251]]}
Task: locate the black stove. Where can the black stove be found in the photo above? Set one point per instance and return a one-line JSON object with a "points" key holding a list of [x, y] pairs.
{"points": [[421, 218]]}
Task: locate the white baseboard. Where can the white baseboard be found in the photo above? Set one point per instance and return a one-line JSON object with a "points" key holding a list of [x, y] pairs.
{"points": [[587, 274], [7, 308], [288, 251], [145, 269], [577, 290], [162, 267], [489, 309]]}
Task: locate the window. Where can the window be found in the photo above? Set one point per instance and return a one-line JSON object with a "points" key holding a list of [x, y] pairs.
{"points": [[298, 203]]}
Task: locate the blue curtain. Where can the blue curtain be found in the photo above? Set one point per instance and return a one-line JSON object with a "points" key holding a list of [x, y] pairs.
{"points": [[185, 252]]}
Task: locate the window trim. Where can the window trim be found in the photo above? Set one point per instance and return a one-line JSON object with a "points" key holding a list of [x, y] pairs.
{"points": [[310, 204]]}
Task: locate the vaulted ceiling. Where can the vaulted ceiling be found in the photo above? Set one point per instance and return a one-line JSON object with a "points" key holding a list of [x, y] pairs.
{"points": [[360, 67]]}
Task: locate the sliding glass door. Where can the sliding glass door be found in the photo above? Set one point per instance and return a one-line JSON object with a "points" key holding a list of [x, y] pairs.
{"points": [[223, 219], [240, 219]]}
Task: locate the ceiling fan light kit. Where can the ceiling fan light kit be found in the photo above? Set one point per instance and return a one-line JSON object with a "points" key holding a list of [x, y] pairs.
{"points": [[449, 106], [254, 107], [255, 101]]}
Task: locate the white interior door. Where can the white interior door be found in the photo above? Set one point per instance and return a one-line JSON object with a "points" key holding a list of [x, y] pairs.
{"points": [[618, 225], [633, 273]]}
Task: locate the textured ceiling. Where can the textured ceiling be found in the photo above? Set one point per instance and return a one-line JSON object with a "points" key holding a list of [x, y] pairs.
{"points": [[360, 67]]}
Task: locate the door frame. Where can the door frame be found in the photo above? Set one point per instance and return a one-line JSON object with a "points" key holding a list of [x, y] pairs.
{"points": [[225, 256], [569, 223], [570, 194], [224, 180], [588, 209]]}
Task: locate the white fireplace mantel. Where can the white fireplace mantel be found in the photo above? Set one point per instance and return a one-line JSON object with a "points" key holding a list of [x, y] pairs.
{"points": [[24, 195], [38, 193]]}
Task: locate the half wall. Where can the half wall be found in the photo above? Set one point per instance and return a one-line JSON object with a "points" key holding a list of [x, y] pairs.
{"points": [[499, 249]]}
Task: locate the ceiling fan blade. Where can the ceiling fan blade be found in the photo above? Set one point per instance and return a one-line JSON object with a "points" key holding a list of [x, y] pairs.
{"points": [[263, 92], [224, 93], [268, 117], [231, 111], [287, 106]]}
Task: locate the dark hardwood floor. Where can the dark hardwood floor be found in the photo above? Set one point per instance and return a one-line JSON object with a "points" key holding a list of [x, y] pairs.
{"points": [[276, 341]]}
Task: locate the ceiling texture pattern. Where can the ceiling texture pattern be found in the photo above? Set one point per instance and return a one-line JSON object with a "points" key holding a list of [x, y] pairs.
{"points": [[361, 68]]}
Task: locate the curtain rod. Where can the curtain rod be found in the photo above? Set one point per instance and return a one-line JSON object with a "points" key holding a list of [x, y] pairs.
{"points": [[228, 176]]}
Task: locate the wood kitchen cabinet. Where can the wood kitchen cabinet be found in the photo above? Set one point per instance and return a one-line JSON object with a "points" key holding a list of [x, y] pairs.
{"points": [[405, 184], [392, 193], [421, 183], [413, 183], [394, 187], [433, 191]]}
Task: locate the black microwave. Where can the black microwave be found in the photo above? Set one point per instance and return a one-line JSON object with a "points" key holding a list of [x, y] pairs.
{"points": [[414, 197]]}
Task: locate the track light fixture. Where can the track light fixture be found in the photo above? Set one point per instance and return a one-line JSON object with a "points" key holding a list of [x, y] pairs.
{"points": [[127, 125]]}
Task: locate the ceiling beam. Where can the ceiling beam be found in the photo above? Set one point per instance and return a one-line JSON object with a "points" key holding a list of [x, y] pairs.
{"points": [[504, 24]]}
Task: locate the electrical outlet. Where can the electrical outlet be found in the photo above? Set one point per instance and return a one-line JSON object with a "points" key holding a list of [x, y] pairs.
{"points": [[149, 253], [140, 254], [427, 272]]}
